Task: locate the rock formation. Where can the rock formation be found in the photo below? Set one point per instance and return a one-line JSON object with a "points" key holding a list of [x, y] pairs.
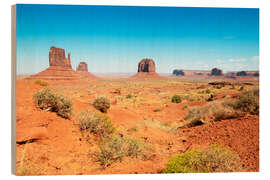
{"points": [[57, 57], [216, 72], [178, 72], [60, 67], [241, 73], [146, 65], [146, 70], [82, 68]]}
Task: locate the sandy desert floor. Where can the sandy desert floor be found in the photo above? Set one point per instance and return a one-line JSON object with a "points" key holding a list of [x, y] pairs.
{"points": [[60, 147]]}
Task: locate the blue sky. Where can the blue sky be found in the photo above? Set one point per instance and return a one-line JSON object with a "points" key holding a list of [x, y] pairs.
{"points": [[113, 39]]}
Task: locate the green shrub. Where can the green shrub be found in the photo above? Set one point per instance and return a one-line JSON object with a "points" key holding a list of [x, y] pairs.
{"points": [[247, 102], [115, 148], [207, 91], [102, 104], [129, 96], [214, 158], [47, 100], [41, 83], [176, 99], [95, 123]]}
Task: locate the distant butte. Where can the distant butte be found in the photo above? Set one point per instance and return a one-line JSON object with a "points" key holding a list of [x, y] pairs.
{"points": [[83, 70], [146, 70], [60, 67]]}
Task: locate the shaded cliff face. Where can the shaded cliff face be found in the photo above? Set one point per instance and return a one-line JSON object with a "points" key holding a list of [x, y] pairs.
{"points": [[216, 72], [57, 57], [178, 72], [146, 65], [82, 67]]}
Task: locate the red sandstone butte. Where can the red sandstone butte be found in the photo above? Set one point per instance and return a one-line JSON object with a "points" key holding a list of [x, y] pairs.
{"points": [[60, 67], [146, 70], [82, 69]]}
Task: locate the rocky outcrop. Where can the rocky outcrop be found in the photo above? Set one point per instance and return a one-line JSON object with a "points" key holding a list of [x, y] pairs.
{"points": [[216, 72], [241, 73], [256, 74], [147, 65], [60, 67], [178, 72], [82, 67], [57, 57], [146, 70]]}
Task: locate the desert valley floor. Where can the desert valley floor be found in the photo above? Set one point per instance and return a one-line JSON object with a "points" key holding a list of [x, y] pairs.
{"points": [[140, 109]]}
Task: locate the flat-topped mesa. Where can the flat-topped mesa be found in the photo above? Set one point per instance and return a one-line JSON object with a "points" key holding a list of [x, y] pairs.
{"points": [[82, 67], [57, 57], [146, 65]]}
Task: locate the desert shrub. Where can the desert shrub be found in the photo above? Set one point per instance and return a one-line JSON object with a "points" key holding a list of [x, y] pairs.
{"points": [[157, 110], [47, 100], [176, 99], [247, 102], [115, 148], [242, 88], [41, 83], [214, 111], [129, 96], [214, 158], [102, 104], [217, 86], [207, 91], [95, 123]]}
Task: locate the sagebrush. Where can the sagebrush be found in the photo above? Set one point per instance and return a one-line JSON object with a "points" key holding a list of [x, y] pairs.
{"points": [[95, 123], [48, 100], [102, 104]]}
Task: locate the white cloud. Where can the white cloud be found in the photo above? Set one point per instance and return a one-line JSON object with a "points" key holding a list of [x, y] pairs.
{"points": [[237, 60], [220, 61], [255, 58]]}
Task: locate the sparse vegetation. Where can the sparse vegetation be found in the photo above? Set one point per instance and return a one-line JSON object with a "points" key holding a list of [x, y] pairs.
{"points": [[129, 96], [247, 102], [48, 100], [95, 123], [102, 104], [41, 83], [157, 110], [214, 111], [207, 91], [176, 99], [115, 148], [214, 158]]}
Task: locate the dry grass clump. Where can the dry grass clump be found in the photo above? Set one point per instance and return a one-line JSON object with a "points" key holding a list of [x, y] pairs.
{"points": [[95, 123], [102, 104], [214, 158], [214, 111], [48, 100], [115, 148], [247, 102], [41, 83]]}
